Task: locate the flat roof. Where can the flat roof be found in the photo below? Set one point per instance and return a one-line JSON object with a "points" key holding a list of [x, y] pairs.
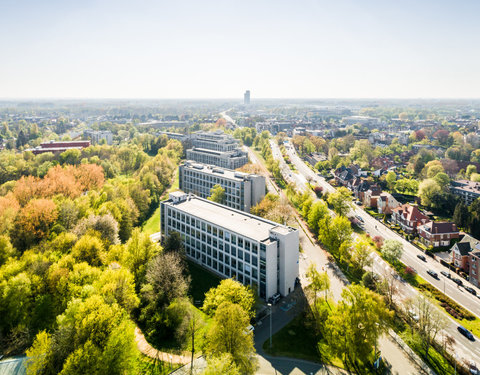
{"points": [[244, 224], [217, 171]]}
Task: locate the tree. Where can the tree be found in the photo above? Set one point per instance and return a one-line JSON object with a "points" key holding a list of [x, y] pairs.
{"points": [[174, 243], [461, 215], [232, 291], [428, 191], [391, 179], [88, 249], [228, 334], [340, 200], [392, 250], [6, 249], [105, 225], [430, 322], [388, 287], [318, 281], [470, 170], [361, 254], [317, 211], [442, 179], [217, 194], [140, 249], [354, 326], [165, 280], [334, 232], [221, 365]]}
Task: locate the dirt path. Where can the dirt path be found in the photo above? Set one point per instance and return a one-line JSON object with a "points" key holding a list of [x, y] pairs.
{"points": [[151, 352]]}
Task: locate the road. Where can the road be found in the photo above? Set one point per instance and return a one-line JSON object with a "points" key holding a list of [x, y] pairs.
{"points": [[397, 359], [466, 349]]}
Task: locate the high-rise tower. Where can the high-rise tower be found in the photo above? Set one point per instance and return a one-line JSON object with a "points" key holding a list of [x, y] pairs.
{"points": [[246, 97]]}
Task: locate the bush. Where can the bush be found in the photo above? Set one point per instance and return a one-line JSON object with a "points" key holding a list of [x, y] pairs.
{"points": [[448, 304], [378, 241]]}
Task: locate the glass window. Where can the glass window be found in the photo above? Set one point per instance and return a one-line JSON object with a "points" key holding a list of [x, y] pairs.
{"points": [[240, 242], [247, 245], [227, 248], [254, 260], [254, 273], [247, 257], [234, 239], [240, 266], [214, 231], [203, 226], [240, 254], [220, 233], [227, 236], [234, 251]]}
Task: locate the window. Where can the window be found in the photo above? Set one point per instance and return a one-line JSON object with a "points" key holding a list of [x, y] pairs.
{"points": [[234, 239], [240, 254], [254, 260], [220, 233], [247, 257], [233, 251], [240, 242]]}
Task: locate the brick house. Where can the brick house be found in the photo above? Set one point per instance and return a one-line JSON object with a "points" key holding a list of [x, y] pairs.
{"points": [[408, 217], [386, 203], [474, 262], [438, 234], [461, 252]]}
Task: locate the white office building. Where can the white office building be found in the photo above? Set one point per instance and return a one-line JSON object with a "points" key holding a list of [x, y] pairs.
{"points": [[232, 243], [97, 136], [217, 141], [242, 190], [230, 159]]}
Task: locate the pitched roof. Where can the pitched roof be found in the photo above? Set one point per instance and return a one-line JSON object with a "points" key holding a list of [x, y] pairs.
{"points": [[440, 227], [411, 213], [463, 247]]}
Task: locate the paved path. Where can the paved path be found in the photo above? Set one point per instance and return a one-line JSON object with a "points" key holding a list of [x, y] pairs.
{"points": [[151, 352]]}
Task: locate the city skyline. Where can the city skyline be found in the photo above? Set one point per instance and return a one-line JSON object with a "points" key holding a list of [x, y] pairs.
{"points": [[310, 49]]}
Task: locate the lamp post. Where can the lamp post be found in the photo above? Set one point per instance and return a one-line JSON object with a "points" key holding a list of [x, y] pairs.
{"points": [[170, 362], [270, 306]]}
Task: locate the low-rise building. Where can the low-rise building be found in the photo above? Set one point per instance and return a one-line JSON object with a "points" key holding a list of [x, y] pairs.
{"points": [[437, 234], [386, 203], [99, 136], [409, 218], [59, 147], [232, 243], [242, 190], [467, 190]]}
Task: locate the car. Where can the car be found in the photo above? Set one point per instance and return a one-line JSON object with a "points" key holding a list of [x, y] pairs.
{"points": [[421, 257], [274, 299], [359, 218], [444, 273], [413, 315], [471, 290], [433, 274], [358, 203], [457, 281], [465, 332]]}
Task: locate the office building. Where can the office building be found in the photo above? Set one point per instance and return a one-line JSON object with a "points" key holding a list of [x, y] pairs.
{"points": [[217, 141], [231, 160], [99, 136], [246, 97], [242, 190], [232, 243], [467, 190]]}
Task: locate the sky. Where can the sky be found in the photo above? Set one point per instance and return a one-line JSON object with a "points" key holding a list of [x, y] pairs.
{"points": [[218, 49]]}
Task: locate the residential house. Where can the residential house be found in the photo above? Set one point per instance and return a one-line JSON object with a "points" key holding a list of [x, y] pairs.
{"points": [[461, 252], [386, 203], [408, 217], [474, 262], [437, 234], [371, 196]]}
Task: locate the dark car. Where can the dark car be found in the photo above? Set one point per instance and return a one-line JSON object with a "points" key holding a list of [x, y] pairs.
{"points": [[465, 332], [457, 281], [471, 290], [444, 273], [433, 274], [421, 257]]}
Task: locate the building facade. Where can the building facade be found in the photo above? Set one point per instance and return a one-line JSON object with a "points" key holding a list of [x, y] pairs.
{"points": [[232, 243], [230, 160], [467, 190], [97, 136], [217, 141], [246, 97], [242, 190], [438, 234], [409, 218]]}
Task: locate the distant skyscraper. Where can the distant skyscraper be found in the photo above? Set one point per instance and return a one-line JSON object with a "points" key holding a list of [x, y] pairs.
{"points": [[246, 97]]}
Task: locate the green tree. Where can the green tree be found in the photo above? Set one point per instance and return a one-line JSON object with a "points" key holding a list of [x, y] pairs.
{"points": [[319, 282], [318, 211], [228, 334], [470, 169], [428, 191], [461, 215], [340, 200], [140, 249], [354, 326], [361, 254], [392, 250], [391, 179], [221, 365], [217, 194], [442, 180], [174, 243], [334, 232], [232, 291]]}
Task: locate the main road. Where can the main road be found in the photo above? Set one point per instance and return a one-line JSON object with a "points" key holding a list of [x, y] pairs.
{"points": [[466, 349], [398, 359]]}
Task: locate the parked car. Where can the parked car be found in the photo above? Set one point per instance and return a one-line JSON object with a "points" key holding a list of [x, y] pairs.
{"points": [[274, 299], [421, 257], [457, 281], [433, 274], [465, 332], [358, 203], [359, 218], [444, 273], [413, 315], [471, 290]]}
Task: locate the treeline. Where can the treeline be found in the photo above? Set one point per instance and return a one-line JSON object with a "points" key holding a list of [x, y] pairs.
{"points": [[72, 261]]}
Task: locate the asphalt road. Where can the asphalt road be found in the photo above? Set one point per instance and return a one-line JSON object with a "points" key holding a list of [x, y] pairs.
{"points": [[397, 359], [465, 349]]}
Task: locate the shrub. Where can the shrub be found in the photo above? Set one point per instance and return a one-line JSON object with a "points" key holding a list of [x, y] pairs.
{"points": [[378, 241]]}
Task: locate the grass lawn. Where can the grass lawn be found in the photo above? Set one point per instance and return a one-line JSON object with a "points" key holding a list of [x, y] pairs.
{"points": [[152, 225], [202, 281], [295, 340]]}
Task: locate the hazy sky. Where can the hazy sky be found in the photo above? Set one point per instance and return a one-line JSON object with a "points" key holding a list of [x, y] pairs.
{"points": [[218, 49]]}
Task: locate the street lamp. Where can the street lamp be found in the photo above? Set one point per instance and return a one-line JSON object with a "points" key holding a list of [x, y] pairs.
{"points": [[270, 306], [171, 368]]}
